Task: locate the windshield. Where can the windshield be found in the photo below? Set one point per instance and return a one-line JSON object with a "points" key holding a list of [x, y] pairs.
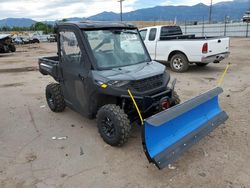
{"points": [[116, 47]]}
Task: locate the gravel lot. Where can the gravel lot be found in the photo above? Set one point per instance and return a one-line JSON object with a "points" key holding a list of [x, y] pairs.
{"points": [[29, 158]]}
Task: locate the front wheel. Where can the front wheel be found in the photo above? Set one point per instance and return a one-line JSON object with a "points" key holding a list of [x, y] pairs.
{"points": [[179, 63], [113, 125]]}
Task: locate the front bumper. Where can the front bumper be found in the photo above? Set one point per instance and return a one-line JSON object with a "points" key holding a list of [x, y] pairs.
{"points": [[150, 104], [215, 58]]}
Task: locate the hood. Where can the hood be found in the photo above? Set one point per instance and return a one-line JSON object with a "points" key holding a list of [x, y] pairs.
{"points": [[132, 72]]}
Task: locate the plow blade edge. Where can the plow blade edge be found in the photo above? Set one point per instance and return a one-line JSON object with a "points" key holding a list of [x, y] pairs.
{"points": [[169, 133]]}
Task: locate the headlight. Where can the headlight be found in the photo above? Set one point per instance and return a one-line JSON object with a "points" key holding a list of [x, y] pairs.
{"points": [[119, 83]]}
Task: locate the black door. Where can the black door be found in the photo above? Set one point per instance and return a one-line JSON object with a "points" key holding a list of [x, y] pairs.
{"points": [[73, 70]]}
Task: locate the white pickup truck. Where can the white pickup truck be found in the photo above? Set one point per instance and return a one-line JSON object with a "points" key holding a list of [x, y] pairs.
{"points": [[167, 43]]}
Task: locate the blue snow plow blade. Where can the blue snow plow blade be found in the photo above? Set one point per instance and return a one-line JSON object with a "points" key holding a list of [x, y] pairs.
{"points": [[169, 133]]}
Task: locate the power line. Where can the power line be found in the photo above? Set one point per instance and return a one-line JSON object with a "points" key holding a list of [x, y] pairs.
{"points": [[120, 1]]}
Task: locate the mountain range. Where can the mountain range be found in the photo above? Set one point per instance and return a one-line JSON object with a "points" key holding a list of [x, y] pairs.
{"points": [[233, 9]]}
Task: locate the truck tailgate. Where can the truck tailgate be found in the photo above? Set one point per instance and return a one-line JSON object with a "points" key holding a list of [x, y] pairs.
{"points": [[218, 46]]}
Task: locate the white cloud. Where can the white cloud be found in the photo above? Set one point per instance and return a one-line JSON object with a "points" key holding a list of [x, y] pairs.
{"points": [[58, 9]]}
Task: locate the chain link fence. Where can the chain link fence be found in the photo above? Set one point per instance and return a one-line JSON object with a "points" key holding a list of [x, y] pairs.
{"points": [[240, 29]]}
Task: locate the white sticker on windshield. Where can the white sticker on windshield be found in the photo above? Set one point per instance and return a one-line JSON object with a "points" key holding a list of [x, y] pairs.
{"points": [[129, 36]]}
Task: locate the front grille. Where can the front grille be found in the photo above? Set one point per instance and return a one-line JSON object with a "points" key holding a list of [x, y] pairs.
{"points": [[147, 83]]}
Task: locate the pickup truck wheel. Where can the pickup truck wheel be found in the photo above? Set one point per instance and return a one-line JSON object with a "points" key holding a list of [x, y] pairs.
{"points": [[55, 97], [113, 125], [179, 63], [201, 64]]}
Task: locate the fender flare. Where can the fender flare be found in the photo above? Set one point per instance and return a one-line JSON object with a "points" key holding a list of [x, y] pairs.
{"points": [[173, 52]]}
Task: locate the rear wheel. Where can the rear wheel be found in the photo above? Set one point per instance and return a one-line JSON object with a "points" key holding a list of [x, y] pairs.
{"points": [[201, 64], [12, 47], [113, 125], [179, 63], [55, 97]]}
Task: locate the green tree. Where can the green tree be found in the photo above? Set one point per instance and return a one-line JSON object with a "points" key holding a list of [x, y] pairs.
{"points": [[40, 26], [6, 28]]}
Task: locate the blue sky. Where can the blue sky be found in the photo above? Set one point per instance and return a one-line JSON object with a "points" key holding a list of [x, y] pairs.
{"points": [[58, 9]]}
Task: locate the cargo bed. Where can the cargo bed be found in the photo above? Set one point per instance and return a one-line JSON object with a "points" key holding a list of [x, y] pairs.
{"points": [[49, 66]]}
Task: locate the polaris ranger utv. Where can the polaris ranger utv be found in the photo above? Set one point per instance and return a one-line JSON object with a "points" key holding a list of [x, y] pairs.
{"points": [[103, 70]]}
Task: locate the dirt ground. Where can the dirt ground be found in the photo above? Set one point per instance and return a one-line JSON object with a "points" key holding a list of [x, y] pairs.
{"points": [[30, 158]]}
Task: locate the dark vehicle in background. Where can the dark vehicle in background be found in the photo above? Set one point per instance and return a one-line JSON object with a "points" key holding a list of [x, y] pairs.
{"points": [[18, 40], [6, 44], [34, 40], [25, 40]]}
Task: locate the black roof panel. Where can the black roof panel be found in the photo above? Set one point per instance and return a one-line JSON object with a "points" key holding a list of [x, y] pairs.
{"points": [[98, 24]]}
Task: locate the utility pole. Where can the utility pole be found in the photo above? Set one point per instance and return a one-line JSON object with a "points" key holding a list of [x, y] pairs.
{"points": [[120, 1], [210, 12], [225, 26]]}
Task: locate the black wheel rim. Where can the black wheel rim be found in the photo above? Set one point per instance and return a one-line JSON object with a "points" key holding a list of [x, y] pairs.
{"points": [[51, 101], [108, 127]]}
